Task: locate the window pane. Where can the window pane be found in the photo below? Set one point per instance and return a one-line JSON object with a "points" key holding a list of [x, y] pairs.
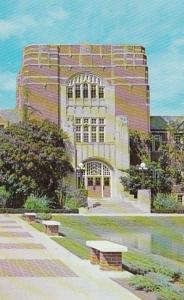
{"points": [[85, 90], [101, 128], [78, 128], [77, 91], [101, 121], [70, 92], [85, 137], [101, 137], [101, 92], [93, 128], [93, 137], [93, 121], [93, 91], [78, 137], [86, 128], [78, 121]]}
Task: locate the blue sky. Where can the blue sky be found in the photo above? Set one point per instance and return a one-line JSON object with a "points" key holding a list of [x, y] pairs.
{"points": [[158, 25]]}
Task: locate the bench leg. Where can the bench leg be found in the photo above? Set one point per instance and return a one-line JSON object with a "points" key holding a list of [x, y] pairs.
{"points": [[52, 230], [94, 256], [111, 261]]}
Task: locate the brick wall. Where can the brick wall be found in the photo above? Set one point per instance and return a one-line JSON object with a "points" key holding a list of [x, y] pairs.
{"points": [[44, 68]]}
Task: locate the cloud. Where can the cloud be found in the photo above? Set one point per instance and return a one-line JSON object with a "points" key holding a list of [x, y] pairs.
{"points": [[16, 26], [7, 82], [58, 15]]}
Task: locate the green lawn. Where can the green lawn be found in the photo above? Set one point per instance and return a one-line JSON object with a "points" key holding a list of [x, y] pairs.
{"points": [[161, 236]]}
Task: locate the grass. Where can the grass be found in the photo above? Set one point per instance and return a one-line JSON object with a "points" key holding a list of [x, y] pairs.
{"points": [[38, 226], [73, 246], [166, 233]]}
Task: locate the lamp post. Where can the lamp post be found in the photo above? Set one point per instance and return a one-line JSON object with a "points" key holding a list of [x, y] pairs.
{"points": [[143, 168], [80, 171]]}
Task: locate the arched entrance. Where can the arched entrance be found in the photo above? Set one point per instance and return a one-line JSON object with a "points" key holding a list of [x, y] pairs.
{"points": [[97, 179]]}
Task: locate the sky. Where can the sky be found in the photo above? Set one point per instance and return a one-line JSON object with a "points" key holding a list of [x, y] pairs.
{"points": [[156, 24]]}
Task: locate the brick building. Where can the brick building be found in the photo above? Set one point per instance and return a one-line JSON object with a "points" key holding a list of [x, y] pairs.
{"points": [[95, 93]]}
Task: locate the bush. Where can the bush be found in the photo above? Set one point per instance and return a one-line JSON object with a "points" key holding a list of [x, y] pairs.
{"points": [[4, 196], [169, 294], [166, 201], [153, 282], [77, 199], [138, 263], [38, 204], [71, 203], [141, 282], [44, 216]]}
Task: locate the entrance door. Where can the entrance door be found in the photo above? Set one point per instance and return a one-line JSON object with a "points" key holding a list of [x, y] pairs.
{"points": [[94, 186], [106, 187]]}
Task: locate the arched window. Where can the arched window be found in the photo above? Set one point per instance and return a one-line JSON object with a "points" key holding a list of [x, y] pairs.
{"points": [[86, 86]]}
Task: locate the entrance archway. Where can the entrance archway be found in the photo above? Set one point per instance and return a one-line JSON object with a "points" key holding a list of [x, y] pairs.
{"points": [[97, 179]]}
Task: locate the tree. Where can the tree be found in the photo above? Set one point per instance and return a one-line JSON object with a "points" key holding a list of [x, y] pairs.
{"points": [[140, 143], [33, 159]]}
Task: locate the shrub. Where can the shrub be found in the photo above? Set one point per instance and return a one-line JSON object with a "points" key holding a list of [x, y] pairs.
{"points": [[77, 199], [169, 294], [4, 196], [137, 263], [141, 282], [153, 282], [44, 216], [38, 204], [81, 196], [71, 203], [166, 201]]}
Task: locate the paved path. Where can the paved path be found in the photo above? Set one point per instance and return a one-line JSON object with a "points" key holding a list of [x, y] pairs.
{"points": [[33, 267], [108, 206]]}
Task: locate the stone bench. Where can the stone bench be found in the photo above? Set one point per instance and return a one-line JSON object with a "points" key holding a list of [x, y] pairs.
{"points": [[107, 254], [51, 227], [30, 217]]}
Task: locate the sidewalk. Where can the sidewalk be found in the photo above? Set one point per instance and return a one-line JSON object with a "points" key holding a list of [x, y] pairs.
{"points": [[33, 267]]}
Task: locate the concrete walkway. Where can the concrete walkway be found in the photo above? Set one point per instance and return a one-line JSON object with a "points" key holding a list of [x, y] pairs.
{"points": [[34, 267], [108, 206]]}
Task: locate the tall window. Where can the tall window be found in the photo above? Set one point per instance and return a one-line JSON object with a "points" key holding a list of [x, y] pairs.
{"points": [[101, 134], [93, 91], [77, 91], [85, 90], [70, 92], [93, 134], [101, 92], [90, 130], [85, 134]]}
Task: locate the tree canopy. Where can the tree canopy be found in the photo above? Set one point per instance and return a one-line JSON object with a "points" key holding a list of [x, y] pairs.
{"points": [[33, 159]]}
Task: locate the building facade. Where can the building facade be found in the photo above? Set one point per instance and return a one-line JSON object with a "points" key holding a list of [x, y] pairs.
{"points": [[94, 92]]}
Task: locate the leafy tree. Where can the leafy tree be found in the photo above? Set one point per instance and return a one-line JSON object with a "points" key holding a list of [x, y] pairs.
{"points": [[33, 159], [140, 143]]}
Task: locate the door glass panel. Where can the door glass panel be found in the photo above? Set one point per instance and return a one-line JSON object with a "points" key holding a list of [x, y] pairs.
{"points": [[90, 181], [106, 181], [97, 181]]}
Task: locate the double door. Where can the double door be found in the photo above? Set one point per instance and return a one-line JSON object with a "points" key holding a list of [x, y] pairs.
{"points": [[98, 186]]}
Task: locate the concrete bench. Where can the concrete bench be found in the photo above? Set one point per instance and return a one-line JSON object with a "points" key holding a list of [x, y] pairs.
{"points": [[107, 254], [51, 227], [30, 217]]}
